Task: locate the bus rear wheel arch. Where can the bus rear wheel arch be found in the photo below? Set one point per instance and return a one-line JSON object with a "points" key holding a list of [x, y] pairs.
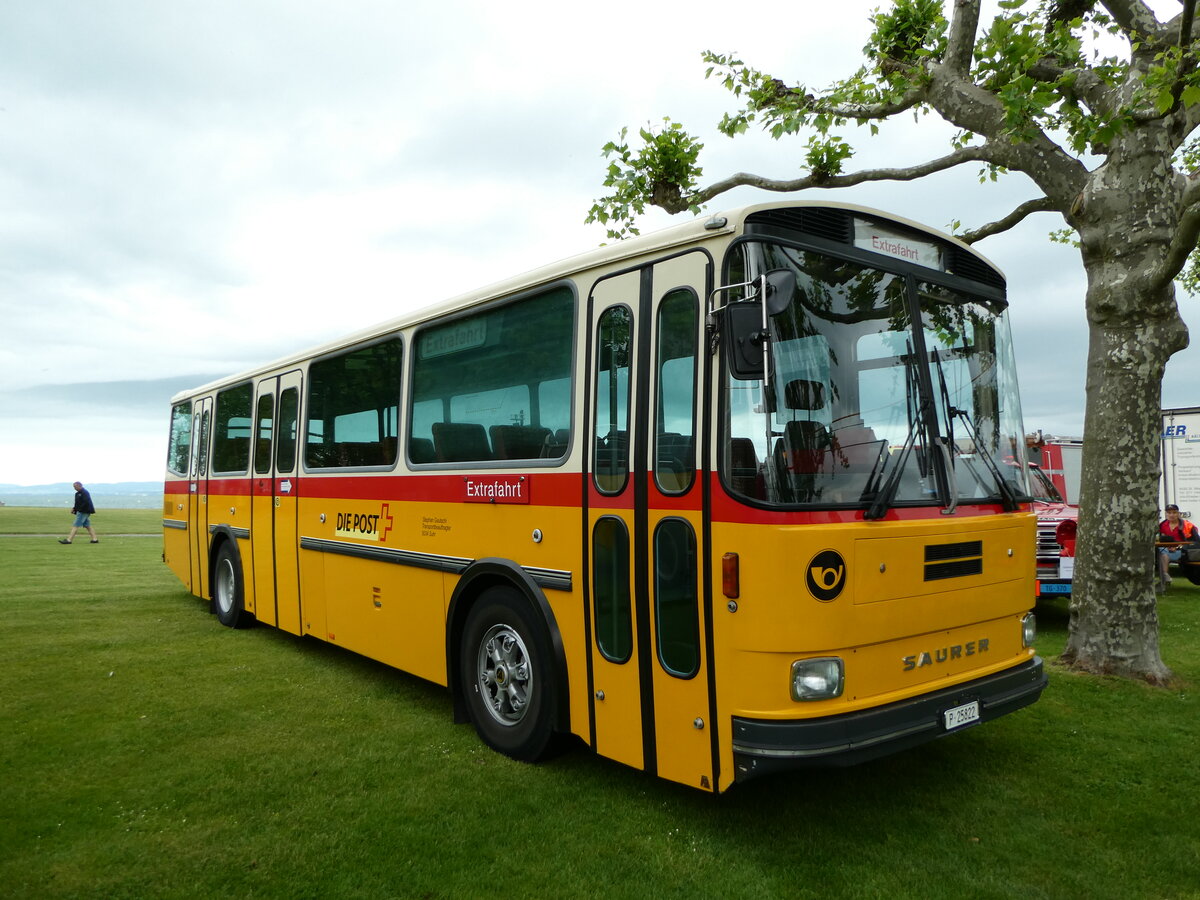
{"points": [[506, 675]]}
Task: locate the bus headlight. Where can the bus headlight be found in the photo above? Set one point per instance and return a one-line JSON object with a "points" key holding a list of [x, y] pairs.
{"points": [[817, 679], [1028, 630]]}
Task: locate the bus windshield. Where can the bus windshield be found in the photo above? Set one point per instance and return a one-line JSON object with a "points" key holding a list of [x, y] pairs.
{"points": [[882, 390]]}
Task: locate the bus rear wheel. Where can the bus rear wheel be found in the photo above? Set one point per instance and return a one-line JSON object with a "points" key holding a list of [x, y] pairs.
{"points": [[229, 599], [505, 674]]}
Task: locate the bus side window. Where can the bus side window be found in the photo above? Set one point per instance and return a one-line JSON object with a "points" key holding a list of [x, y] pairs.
{"points": [[495, 385], [231, 440], [676, 601], [200, 450], [614, 343], [285, 437], [181, 439], [353, 403], [610, 589], [675, 364], [262, 430]]}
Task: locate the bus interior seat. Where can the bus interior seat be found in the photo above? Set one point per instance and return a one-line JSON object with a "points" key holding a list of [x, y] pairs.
{"points": [[744, 476], [420, 450], [353, 454], [806, 446], [556, 444], [262, 454], [857, 449], [518, 441], [460, 442], [804, 394], [388, 449], [674, 453], [805, 442], [612, 452], [231, 454]]}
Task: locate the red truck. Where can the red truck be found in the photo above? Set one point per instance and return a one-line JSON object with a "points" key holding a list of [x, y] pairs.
{"points": [[1056, 531]]}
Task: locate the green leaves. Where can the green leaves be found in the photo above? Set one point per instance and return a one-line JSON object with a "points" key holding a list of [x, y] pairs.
{"points": [[825, 155], [1063, 74], [913, 31], [662, 172]]}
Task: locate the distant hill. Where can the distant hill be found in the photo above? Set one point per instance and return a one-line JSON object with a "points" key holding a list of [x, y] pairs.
{"points": [[121, 495]]}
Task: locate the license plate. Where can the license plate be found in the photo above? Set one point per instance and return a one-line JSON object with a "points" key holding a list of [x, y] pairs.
{"points": [[1056, 588], [961, 715]]}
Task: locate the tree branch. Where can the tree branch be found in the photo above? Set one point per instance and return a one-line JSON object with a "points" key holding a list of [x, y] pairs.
{"points": [[744, 179], [963, 26], [1187, 20], [1137, 20], [873, 111], [1014, 218], [1082, 84], [1184, 241]]}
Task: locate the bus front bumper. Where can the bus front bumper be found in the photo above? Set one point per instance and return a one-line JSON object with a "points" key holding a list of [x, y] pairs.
{"points": [[763, 746]]}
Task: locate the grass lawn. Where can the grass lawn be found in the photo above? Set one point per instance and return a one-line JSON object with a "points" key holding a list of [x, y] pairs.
{"points": [[148, 752], [41, 520]]}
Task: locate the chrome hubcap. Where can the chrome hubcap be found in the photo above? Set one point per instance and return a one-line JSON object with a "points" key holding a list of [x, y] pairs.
{"points": [[224, 586], [505, 674]]}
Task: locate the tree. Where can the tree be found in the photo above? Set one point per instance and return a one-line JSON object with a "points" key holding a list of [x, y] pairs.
{"points": [[1104, 135]]}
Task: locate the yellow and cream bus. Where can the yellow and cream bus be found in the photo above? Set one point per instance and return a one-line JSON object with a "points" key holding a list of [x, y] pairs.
{"points": [[742, 495]]}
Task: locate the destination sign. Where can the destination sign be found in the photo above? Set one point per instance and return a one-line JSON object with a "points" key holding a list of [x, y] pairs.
{"points": [[869, 236], [454, 338]]}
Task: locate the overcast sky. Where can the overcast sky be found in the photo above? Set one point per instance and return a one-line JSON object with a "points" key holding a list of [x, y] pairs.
{"points": [[191, 189]]}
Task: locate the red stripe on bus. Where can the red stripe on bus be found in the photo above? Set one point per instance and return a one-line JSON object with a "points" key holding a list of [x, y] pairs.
{"points": [[546, 489]]}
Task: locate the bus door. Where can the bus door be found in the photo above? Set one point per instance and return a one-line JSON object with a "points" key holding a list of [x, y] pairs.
{"points": [[198, 495], [649, 667], [275, 491], [262, 502]]}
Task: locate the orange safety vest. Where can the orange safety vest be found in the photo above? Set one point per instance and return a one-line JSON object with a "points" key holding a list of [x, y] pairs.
{"points": [[1187, 531]]}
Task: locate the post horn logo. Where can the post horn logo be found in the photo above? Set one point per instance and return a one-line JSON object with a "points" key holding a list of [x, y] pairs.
{"points": [[826, 575]]}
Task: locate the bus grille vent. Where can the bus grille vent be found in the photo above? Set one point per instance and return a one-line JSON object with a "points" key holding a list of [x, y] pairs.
{"points": [[962, 262], [953, 560], [822, 222]]}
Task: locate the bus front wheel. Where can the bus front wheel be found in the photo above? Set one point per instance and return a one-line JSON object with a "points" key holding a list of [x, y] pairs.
{"points": [[229, 600], [505, 675]]}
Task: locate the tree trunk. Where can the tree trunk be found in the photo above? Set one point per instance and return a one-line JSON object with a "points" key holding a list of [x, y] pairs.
{"points": [[1133, 331]]}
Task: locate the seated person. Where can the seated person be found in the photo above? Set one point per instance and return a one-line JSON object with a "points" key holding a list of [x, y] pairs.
{"points": [[1173, 533]]}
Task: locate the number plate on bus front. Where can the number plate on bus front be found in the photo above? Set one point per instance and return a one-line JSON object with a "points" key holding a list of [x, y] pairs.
{"points": [[961, 715]]}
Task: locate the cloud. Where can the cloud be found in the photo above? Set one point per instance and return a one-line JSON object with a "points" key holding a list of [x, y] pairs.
{"points": [[204, 187]]}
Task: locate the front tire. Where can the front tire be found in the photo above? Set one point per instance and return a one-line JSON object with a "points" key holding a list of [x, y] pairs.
{"points": [[505, 669], [229, 599]]}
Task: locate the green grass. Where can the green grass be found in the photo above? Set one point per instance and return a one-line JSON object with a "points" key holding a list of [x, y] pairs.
{"points": [[42, 520], [148, 752]]}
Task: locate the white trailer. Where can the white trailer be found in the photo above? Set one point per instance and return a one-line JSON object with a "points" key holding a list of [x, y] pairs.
{"points": [[1179, 482]]}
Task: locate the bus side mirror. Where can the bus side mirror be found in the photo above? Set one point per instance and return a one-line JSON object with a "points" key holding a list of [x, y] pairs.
{"points": [[744, 331], [744, 340]]}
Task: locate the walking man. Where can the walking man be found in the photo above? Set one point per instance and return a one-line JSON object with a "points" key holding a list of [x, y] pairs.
{"points": [[83, 510]]}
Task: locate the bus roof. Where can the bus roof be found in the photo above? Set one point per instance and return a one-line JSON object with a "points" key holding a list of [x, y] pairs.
{"points": [[628, 251]]}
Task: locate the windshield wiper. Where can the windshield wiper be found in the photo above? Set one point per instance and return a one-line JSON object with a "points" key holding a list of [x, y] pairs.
{"points": [[885, 495], [883, 498], [946, 442], [1007, 497]]}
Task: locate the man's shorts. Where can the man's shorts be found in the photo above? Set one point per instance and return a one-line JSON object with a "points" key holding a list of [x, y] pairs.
{"points": [[82, 520]]}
